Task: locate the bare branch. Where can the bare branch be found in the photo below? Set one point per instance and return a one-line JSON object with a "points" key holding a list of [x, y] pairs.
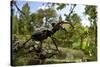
{"points": [[71, 11], [14, 3]]}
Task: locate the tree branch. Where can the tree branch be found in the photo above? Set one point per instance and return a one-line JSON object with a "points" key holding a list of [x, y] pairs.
{"points": [[14, 3], [71, 11]]}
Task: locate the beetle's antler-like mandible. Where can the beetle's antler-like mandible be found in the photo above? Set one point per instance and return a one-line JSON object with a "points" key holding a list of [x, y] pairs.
{"points": [[65, 22]]}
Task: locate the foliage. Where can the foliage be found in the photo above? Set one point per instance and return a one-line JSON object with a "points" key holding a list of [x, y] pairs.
{"points": [[15, 25], [92, 31], [61, 6], [91, 11]]}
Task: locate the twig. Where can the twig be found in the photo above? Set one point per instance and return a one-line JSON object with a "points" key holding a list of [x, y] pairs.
{"points": [[14, 3], [71, 11]]}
